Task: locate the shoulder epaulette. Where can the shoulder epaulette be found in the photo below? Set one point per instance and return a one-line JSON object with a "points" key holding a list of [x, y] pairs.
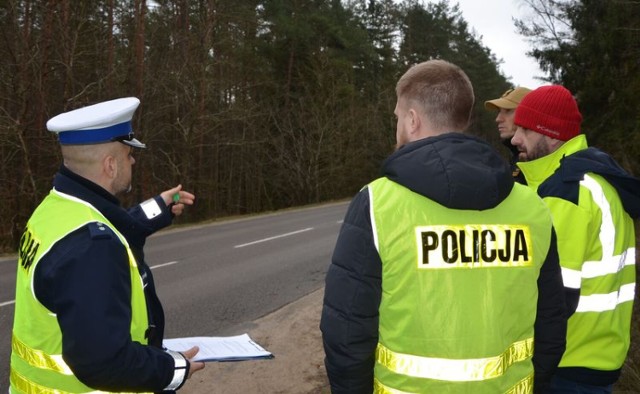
{"points": [[99, 230]]}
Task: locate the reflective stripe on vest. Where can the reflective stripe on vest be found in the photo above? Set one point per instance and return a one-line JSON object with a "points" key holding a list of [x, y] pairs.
{"points": [[25, 386], [610, 263], [22, 384], [524, 386], [593, 269], [454, 370], [607, 302], [38, 358]]}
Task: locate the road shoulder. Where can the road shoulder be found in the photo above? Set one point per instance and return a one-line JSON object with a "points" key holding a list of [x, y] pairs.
{"points": [[292, 334]]}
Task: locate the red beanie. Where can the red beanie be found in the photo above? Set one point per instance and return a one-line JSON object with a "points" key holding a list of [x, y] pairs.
{"points": [[550, 110]]}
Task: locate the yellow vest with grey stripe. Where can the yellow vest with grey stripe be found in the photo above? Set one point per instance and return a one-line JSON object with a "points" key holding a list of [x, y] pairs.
{"points": [[36, 358], [459, 292], [602, 266], [596, 245]]}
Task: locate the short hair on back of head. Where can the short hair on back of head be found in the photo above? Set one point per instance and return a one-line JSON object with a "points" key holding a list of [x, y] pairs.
{"points": [[83, 159], [442, 90]]}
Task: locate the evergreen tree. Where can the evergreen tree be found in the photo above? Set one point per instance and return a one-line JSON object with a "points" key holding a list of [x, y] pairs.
{"points": [[592, 47], [439, 31]]}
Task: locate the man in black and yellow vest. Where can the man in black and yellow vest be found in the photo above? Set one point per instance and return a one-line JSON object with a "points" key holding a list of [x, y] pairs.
{"points": [[445, 276], [87, 316], [593, 202]]}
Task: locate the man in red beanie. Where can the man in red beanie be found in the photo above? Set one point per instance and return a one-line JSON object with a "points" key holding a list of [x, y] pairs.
{"points": [[593, 202]]}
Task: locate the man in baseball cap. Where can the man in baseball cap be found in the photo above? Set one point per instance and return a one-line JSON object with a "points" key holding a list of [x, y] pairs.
{"points": [[506, 106], [593, 202]]}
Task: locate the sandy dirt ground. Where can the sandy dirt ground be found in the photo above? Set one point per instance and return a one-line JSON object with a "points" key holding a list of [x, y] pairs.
{"points": [[292, 334]]}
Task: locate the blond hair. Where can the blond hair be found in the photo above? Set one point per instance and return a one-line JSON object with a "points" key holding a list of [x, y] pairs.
{"points": [[442, 91]]}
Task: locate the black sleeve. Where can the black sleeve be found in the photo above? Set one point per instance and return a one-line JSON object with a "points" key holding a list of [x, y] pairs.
{"points": [[551, 320], [85, 280], [349, 321], [149, 225], [573, 298]]}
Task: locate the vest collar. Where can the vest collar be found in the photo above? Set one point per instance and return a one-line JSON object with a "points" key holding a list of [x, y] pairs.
{"points": [[66, 181], [538, 170]]}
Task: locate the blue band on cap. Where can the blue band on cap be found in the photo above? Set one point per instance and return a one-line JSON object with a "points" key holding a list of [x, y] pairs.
{"points": [[94, 136]]}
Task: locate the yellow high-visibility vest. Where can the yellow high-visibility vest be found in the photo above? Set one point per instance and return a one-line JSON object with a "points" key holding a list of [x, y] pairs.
{"points": [[596, 245], [459, 292], [36, 357]]}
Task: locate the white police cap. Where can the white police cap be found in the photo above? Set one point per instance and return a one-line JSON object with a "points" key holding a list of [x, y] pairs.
{"points": [[108, 121]]}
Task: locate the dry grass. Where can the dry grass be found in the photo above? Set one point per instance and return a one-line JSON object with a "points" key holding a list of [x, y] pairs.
{"points": [[630, 379]]}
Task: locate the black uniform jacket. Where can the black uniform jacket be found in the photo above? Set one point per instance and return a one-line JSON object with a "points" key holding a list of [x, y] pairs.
{"points": [[457, 171], [514, 157], [84, 279]]}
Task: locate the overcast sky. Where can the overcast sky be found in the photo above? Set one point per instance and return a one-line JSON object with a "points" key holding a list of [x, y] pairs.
{"points": [[492, 20]]}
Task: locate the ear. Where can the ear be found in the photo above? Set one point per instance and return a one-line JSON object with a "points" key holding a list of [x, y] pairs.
{"points": [[415, 121], [110, 166]]}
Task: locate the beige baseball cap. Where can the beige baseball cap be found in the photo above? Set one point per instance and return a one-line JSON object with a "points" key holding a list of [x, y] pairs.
{"points": [[509, 99]]}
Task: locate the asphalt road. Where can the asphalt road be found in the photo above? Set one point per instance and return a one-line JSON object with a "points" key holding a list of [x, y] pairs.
{"points": [[215, 279]]}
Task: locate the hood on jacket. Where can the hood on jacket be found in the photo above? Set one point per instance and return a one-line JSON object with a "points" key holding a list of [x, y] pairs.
{"points": [[455, 170], [573, 167]]}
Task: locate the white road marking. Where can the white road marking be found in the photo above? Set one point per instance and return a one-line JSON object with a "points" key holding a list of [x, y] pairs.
{"points": [[274, 237], [164, 265]]}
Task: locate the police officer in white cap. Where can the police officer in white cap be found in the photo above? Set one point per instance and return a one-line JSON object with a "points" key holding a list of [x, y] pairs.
{"points": [[87, 316]]}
